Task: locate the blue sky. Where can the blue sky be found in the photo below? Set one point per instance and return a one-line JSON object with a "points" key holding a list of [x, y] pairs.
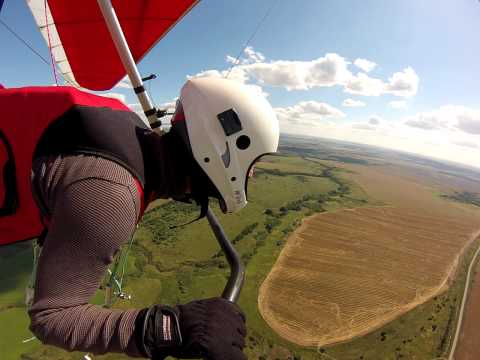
{"points": [[431, 45]]}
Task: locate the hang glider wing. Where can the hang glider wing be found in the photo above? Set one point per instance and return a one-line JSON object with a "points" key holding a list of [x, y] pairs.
{"points": [[81, 44]]}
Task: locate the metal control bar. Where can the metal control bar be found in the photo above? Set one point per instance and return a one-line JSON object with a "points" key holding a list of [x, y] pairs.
{"points": [[237, 269]]}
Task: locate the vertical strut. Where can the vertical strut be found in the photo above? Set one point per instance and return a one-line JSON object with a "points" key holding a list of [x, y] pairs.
{"points": [[126, 57]]}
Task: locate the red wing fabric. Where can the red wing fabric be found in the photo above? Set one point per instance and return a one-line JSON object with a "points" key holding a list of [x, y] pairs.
{"points": [[87, 43]]}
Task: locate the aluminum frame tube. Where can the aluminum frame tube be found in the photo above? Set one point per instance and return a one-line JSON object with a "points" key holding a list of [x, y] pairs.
{"points": [[235, 282], [126, 57]]}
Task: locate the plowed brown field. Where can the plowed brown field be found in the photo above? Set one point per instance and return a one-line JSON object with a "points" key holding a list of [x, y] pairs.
{"points": [[344, 273]]}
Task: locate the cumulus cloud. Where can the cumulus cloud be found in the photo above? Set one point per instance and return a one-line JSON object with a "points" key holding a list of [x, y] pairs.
{"points": [[460, 118], [331, 70], [249, 56], [237, 74], [365, 65], [115, 95], [353, 103], [308, 112], [372, 124], [375, 120], [362, 84], [426, 121], [403, 83], [327, 71], [466, 143], [398, 104], [469, 121]]}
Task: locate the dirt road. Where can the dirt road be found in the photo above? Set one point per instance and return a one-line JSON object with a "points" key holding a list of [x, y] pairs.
{"points": [[468, 347]]}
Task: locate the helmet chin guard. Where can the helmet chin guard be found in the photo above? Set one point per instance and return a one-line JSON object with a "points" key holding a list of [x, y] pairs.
{"points": [[228, 128]]}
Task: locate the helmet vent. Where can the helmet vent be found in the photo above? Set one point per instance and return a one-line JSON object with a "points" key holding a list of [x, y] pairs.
{"points": [[243, 142], [230, 122]]}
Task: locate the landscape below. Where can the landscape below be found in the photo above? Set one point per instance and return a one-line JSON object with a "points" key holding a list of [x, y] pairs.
{"points": [[343, 272]]}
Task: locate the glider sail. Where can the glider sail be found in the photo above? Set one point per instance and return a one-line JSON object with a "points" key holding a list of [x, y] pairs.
{"points": [[81, 44]]}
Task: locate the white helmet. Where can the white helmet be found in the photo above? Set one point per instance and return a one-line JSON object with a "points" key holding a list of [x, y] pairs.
{"points": [[228, 128]]}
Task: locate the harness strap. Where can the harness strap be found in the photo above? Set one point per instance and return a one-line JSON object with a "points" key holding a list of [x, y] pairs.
{"points": [[30, 290], [113, 283]]}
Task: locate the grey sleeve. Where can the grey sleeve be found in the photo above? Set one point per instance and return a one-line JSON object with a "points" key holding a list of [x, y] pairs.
{"points": [[91, 218]]}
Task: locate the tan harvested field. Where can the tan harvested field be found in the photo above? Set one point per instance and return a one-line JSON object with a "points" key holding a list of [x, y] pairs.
{"points": [[343, 274]]}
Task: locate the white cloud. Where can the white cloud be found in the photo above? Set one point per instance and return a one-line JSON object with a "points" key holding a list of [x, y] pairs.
{"points": [[308, 112], [398, 104], [375, 120], [365, 65], [169, 106], [330, 70], [469, 121], [135, 107], [363, 126], [426, 121], [372, 124], [249, 56], [124, 83], [253, 56], [115, 95], [448, 141], [327, 71], [403, 83], [448, 117], [362, 84], [353, 103], [466, 143], [237, 74]]}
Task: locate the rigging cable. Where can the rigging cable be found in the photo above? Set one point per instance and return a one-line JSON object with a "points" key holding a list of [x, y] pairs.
{"points": [[259, 25], [18, 37], [24, 42], [50, 44]]}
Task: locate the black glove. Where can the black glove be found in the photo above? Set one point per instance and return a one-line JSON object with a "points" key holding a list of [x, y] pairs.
{"points": [[212, 329]]}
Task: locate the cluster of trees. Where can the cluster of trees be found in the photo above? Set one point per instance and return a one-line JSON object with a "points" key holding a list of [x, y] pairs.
{"points": [[465, 197], [159, 221], [245, 232]]}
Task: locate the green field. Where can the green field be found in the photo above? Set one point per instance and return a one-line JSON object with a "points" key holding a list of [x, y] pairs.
{"points": [[177, 265]]}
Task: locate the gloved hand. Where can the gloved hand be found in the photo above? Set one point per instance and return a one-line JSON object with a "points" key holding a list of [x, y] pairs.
{"points": [[212, 329]]}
